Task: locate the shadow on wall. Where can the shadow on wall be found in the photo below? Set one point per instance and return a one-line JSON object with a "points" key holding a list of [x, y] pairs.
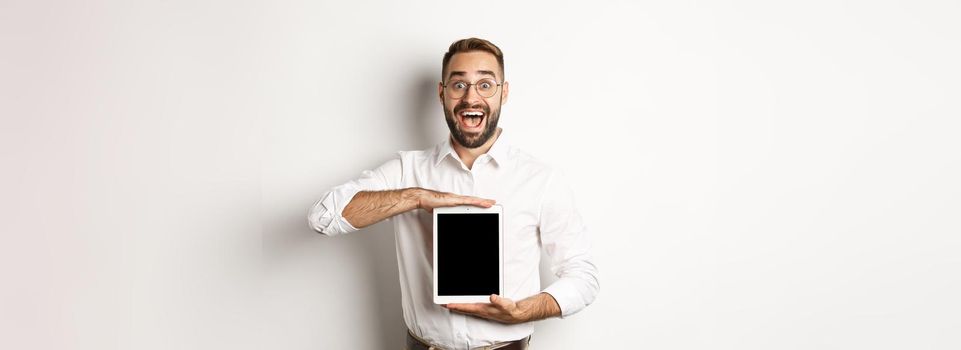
{"points": [[423, 104], [380, 243], [425, 118], [377, 243]]}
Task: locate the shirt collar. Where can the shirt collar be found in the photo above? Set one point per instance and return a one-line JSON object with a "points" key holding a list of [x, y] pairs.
{"points": [[444, 149], [499, 151]]}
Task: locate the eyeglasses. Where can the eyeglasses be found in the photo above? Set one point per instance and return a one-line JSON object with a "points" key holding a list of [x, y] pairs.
{"points": [[457, 89]]}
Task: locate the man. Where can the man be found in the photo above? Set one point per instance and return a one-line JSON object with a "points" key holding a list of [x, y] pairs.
{"points": [[476, 165]]}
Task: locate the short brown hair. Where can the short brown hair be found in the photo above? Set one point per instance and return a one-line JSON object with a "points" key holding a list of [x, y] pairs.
{"points": [[468, 45]]}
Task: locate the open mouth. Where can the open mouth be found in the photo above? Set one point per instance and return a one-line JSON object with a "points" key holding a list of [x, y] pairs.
{"points": [[472, 119]]}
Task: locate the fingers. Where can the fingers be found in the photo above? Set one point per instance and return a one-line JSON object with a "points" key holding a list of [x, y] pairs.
{"points": [[480, 202], [455, 200], [444, 199], [475, 308], [500, 309], [497, 302], [475, 201]]}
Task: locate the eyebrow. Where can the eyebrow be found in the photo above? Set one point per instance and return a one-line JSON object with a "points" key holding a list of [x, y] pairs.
{"points": [[463, 73]]}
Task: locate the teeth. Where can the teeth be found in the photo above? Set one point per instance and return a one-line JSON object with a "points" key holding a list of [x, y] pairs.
{"points": [[472, 114]]}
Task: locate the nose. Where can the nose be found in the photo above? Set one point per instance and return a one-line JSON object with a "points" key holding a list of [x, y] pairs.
{"points": [[471, 95]]}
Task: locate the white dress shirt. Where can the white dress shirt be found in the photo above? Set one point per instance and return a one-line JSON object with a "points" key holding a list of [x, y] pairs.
{"points": [[538, 211]]}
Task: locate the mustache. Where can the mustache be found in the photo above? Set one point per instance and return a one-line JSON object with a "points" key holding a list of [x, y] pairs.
{"points": [[462, 106]]}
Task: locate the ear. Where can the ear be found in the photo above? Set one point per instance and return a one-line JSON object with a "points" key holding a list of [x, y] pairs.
{"points": [[505, 90], [440, 92]]}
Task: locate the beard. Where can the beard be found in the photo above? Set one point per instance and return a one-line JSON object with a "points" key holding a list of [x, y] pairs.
{"points": [[462, 138]]}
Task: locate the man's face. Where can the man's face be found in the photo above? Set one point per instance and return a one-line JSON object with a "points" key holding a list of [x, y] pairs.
{"points": [[472, 118]]}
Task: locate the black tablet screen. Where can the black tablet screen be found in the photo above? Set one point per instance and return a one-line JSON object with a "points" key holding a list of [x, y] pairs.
{"points": [[467, 254]]}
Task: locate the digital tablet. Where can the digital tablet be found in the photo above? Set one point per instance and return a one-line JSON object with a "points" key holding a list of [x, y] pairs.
{"points": [[468, 254]]}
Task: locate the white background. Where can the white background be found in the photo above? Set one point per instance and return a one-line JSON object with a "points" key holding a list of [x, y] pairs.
{"points": [[754, 175]]}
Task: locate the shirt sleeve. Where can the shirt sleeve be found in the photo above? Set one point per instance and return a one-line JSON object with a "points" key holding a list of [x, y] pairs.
{"points": [[566, 242], [326, 215]]}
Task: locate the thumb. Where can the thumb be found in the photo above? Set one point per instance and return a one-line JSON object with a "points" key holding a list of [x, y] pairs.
{"points": [[499, 300]]}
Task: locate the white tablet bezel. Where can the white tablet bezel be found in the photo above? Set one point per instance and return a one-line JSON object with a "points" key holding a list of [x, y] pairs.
{"points": [[448, 299]]}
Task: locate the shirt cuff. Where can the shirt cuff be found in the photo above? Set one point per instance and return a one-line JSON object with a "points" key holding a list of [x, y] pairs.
{"points": [[565, 292], [326, 216]]}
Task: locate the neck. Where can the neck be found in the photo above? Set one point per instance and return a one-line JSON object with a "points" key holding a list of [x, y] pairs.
{"points": [[469, 155]]}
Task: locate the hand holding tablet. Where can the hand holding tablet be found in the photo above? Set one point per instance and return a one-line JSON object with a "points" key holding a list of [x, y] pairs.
{"points": [[428, 200], [468, 254]]}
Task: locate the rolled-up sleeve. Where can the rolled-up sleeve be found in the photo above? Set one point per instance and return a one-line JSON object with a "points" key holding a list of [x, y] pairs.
{"points": [[326, 215], [566, 242]]}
